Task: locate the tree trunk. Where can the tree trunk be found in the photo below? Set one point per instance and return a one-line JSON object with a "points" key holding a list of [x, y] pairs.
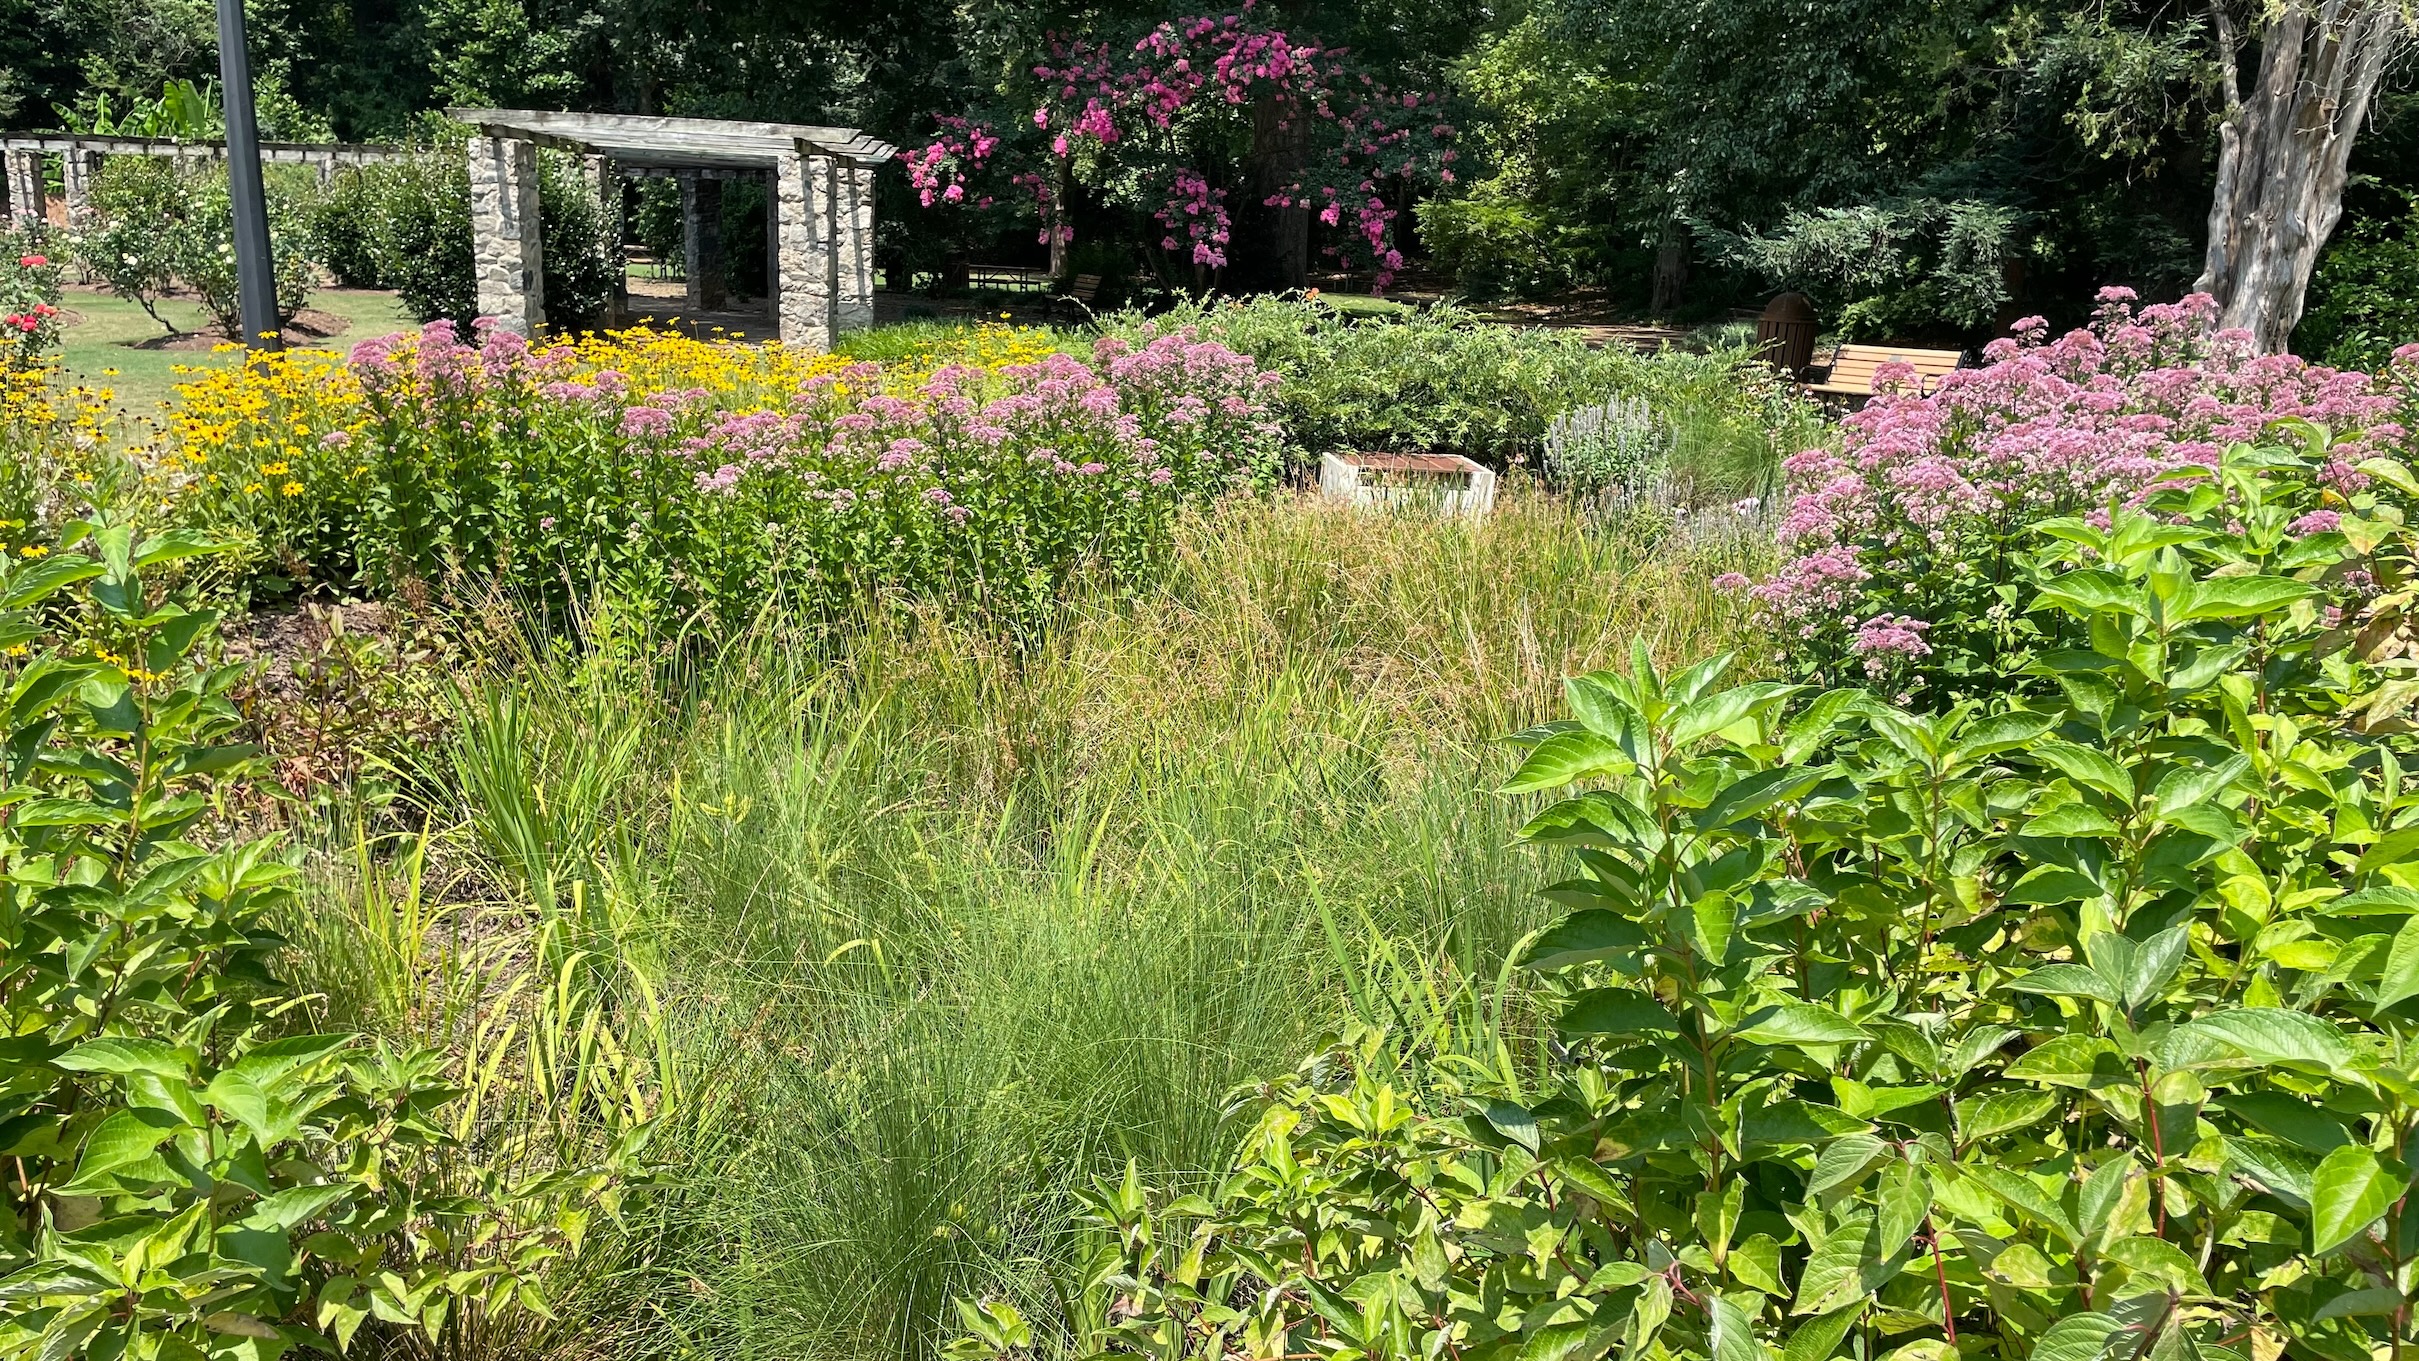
{"points": [[1671, 270], [1279, 235], [2283, 149]]}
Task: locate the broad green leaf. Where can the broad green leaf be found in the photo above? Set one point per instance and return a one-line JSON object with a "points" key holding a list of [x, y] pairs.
{"points": [[1602, 711], [1818, 1339], [2375, 1301], [2260, 1037], [2067, 980], [1582, 937], [2186, 786], [1617, 1011], [2088, 768], [1566, 758], [126, 1055], [2001, 1113], [2154, 966], [2000, 733], [2238, 597], [123, 1140], [1842, 1163], [2071, 819], [2023, 1194], [2159, 1260], [2089, 591], [2350, 1191], [1701, 718], [1514, 1122], [1730, 1332], [2048, 885], [2076, 1337], [1800, 1023], [1798, 1122], [2071, 1061], [2294, 1119], [2401, 976]]}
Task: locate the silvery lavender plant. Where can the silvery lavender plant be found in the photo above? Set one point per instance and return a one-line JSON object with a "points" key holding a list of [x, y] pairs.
{"points": [[1618, 447]]}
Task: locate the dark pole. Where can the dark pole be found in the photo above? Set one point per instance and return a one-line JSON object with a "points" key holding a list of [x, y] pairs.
{"points": [[256, 287]]}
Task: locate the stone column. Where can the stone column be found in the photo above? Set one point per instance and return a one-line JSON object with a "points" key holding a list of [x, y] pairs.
{"points": [[853, 221], [80, 168], [27, 198], [701, 241], [802, 195], [505, 241], [772, 247]]}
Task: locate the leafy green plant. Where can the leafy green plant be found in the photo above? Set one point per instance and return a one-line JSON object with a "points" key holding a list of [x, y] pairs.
{"points": [[139, 208], [340, 223], [2364, 300], [2070, 1027], [1440, 378], [189, 1178], [30, 323], [417, 226], [205, 247]]}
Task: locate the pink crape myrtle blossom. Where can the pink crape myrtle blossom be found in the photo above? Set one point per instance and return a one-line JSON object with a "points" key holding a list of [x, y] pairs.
{"points": [[1914, 517], [1134, 108]]}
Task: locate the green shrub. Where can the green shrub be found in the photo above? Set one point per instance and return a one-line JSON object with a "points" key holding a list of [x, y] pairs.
{"points": [[343, 223], [30, 322], [139, 208], [419, 234], [1494, 246], [189, 1178], [159, 224], [1439, 379], [2364, 302], [2067, 1030], [582, 260], [206, 249], [420, 238]]}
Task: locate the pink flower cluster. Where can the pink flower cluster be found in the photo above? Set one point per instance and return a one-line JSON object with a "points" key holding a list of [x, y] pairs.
{"points": [[1357, 133], [1927, 491]]}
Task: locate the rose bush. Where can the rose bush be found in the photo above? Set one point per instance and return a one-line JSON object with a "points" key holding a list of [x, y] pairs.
{"points": [[30, 320]]}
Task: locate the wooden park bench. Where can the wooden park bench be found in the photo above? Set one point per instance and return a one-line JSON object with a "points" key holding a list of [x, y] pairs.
{"points": [[1852, 368], [1080, 294]]}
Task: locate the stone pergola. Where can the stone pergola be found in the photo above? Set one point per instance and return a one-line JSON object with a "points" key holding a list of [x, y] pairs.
{"points": [[26, 199], [819, 207]]}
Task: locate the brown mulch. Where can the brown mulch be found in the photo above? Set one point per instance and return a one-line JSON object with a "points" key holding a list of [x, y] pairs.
{"points": [[310, 326]]}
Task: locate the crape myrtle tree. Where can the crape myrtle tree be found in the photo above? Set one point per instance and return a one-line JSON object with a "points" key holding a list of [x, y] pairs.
{"points": [[1199, 120], [2298, 79]]}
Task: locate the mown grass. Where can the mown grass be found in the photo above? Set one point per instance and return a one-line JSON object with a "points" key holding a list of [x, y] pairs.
{"points": [[950, 922], [114, 345]]}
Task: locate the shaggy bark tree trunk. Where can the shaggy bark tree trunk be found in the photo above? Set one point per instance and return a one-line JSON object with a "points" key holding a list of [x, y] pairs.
{"points": [[2283, 149]]}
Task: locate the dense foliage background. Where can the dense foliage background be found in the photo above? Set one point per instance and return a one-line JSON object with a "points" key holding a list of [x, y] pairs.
{"points": [[1923, 171]]}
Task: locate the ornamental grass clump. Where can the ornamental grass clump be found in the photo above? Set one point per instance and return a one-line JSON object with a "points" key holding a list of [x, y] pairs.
{"points": [[1903, 540], [714, 478]]}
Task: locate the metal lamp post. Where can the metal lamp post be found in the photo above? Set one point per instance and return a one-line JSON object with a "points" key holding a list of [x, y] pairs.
{"points": [[256, 287]]}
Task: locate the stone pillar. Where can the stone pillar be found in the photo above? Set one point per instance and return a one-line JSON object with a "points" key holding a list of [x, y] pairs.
{"points": [[80, 168], [802, 195], [853, 221], [701, 241], [27, 198], [505, 241], [772, 248]]}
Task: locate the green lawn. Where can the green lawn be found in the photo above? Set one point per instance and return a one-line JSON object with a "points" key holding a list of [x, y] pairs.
{"points": [[106, 349]]}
